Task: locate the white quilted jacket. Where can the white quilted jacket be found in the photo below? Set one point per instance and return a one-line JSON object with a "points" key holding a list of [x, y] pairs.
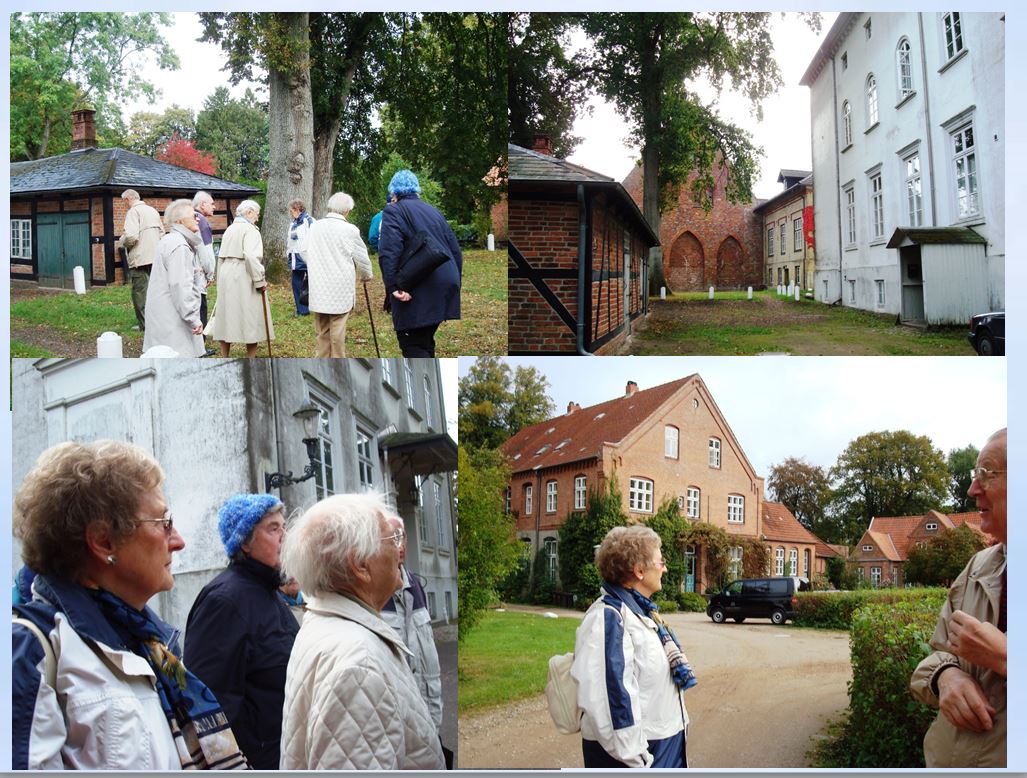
{"points": [[336, 257], [351, 702]]}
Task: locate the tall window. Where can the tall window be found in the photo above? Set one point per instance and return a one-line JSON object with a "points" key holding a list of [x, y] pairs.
{"points": [[550, 496], [735, 509], [846, 123], [440, 518], [875, 576], [914, 194], [365, 461], [734, 565], [964, 158], [880, 292], [431, 605], [904, 68], [324, 466], [770, 241], [714, 452], [805, 563], [640, 495], [797, 234], [549, 544], [877, 205], [506, 500], [871, 96], [527, 500], [849, 196], [21, 238], [408, 381], [953, 33], [781, 230], [779, 561], [428, 415], [693, 502], [422, 524], [793, 561], [579, 493], [387, 372], [852, 290], [670, 442]]}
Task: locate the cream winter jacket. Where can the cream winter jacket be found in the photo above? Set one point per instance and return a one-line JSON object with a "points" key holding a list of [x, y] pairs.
{"points": [[142, 233], [336, 257], [351, 702]]}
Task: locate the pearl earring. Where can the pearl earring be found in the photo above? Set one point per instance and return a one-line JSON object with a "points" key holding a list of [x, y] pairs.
{"points": [[111, 559]]}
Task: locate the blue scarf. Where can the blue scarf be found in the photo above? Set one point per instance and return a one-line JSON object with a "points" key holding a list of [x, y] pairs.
{"points": [[202, 734], [680, 670]]}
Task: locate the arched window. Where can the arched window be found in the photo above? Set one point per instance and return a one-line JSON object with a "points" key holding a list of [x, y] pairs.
{"points": [[904, 68], [670, 441], [871, 93], [847, 123]]}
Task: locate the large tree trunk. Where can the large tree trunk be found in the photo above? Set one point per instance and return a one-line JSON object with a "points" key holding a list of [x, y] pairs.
{"points": [[651, 211], [291, 140], [324, 164], [652, 110]]}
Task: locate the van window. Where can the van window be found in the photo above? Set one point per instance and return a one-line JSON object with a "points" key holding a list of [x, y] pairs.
{"points": [[734, 588], [779, 586], [756, 588]]}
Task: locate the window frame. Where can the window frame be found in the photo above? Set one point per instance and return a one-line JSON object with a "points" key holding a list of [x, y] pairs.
{"points": [[871, 101], [365, 458], [849, 197], [640, 494], [549, 545], [713, 449], [968, 157], [428, 403], [793, 560], [846, 124], [670, 441], [779, 561], [913, 179], [551, 495], [690, 493], [735, 509], [527, 498], [580, 492], [875, 187], [23, 228], [770, 241], [797, 233], [324, 462], [781, 236], [440, 524], [954, 45], [904, 68], [881, 293]]}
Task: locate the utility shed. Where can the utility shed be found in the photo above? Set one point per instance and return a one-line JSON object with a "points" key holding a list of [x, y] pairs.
{"points": [[574, 235], [944, 274], [67, 210]]}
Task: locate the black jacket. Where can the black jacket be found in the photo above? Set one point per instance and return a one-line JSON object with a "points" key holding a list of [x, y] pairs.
{"points": [[238, 639], [438, 297]]}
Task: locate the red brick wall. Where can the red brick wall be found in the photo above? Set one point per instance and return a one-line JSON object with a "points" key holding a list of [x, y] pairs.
{"points": [[500, 213], [722, 248]]}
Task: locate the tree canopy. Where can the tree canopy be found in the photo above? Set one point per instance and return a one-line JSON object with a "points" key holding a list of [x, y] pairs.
{"points": [[148, 131], [804, 488], [234, 131], [960, 462], [943, 557], [496, 402]]}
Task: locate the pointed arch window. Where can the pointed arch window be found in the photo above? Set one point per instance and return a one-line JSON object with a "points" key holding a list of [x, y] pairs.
{"points": [[871, 96], [904, 68]]}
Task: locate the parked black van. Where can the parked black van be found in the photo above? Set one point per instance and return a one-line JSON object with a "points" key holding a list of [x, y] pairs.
{"points": [[768, 598]]}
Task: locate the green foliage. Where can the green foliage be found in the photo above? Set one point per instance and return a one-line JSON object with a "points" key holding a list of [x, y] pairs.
{"points": [[755, 557], [805, 490], [516, 585], [692, 602], [666, 606], [887, 474], [960, 462], [149, 131], [834, 610], [717, 544], [496, 403], [668, 523], [944, 556], [235, 132], [487, 548], [840, 574], [62, 61], [580, 533]]}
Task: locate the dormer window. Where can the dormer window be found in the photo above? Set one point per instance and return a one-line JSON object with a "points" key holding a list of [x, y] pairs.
{"points": [[599, 416], [868, 548], [931, 526], [542, 450]]}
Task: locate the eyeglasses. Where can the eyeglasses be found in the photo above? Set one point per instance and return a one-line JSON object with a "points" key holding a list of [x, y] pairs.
{"points": [[660, 563], [167, 520], [983, 474], [396, 537]]}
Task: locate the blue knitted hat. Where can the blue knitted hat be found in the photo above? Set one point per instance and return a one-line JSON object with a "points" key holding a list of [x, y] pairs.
{"points": [[239, 515], [404, 182]]}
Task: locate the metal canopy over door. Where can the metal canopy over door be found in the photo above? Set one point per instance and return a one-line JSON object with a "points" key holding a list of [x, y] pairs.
{"points": [[63, 244]]}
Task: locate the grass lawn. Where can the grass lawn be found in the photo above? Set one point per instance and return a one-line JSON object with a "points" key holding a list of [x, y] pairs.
{"points": [[506, 657], [730, 324], [66, 324]]}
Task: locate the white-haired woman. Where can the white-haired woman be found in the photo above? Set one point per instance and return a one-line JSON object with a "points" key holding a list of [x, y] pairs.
{"points": [[242, 307], [176, 283], [351, 701], [336, 257]]}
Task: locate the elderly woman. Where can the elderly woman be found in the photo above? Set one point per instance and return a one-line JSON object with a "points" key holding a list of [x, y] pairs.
{"points": [[351, 701], [240, 632], [242, 314], [417, 311], [96, 680], [296, 251], [629, 666], [176, 285], [336, 257]]}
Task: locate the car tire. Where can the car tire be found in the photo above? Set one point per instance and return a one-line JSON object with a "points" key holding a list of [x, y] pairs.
{"points": [[985, 344], [717, 614], [739, 619], [777, 616]]}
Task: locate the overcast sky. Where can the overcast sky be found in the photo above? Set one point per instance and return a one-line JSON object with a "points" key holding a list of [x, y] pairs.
{"points": [[808, 407], [784, 132]]}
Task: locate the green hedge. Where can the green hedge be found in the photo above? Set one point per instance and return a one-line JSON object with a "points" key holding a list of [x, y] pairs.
{"points": [[834, 610], [666, 606], [692, 602]]}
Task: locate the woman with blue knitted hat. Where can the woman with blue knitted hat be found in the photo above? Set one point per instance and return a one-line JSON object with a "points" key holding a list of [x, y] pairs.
{"points": [[417, 311], [240, 632]]}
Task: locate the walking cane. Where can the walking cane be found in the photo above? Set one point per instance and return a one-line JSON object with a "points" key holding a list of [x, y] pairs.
{"points": [[370, 316], [267, 327]]}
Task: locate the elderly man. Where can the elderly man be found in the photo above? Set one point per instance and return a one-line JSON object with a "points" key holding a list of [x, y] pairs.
{"points": [[203, 207], [965, 677], [351, 701], [142, 233]]}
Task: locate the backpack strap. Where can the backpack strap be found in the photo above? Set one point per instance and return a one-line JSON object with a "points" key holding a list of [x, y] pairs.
{"points": [[50, 671]]}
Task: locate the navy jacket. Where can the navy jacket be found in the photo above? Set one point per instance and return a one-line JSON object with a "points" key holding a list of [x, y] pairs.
{"points": [[237, 641], [438, 297]]}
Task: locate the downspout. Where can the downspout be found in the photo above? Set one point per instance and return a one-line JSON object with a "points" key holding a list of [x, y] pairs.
{"points": [[837, 179], [927, 119], [276, 446], [583, 278]]}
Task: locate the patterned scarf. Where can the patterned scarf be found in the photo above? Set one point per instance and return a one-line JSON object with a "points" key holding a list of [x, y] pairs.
{"points": [[202, 734], [680, 670]]}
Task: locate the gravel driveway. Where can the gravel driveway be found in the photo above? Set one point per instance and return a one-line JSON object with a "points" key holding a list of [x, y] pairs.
{"points": [[764, 693]]}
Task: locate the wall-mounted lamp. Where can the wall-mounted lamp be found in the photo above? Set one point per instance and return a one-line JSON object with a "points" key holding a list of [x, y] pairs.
{"points": [[310, 415]]}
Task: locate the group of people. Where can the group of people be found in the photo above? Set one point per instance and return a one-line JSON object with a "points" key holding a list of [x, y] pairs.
{"points": [[170, 272], [100, 682], [631, 673]]}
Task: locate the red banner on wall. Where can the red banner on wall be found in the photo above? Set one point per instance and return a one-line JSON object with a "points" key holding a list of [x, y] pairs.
{"points": [[807, 223]]}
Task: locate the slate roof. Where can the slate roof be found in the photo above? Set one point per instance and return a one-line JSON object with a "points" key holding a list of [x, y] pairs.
{"points": [[892, 533], [786, 174], [114, 169], [579, 436], [922, 236], [780, 524], [528, 165], [792, 192]]}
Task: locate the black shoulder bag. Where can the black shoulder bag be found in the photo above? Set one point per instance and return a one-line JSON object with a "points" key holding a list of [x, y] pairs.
{"points": [[423, 254]]}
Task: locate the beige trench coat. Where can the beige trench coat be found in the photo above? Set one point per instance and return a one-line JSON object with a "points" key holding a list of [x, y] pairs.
{"points": [[143, 231], [976, 591], [239, 312]]}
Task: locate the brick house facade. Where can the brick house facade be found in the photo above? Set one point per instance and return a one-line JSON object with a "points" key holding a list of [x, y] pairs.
{"points": [[793, 548], [573, 234], [788, 247], [668, 442], [722, 248]]}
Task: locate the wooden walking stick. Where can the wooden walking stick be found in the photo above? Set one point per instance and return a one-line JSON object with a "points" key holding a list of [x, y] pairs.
{"points": [[370, 316], [264, 307]]}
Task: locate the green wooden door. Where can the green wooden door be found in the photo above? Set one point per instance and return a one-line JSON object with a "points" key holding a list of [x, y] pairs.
{"points": [[63, 244]]}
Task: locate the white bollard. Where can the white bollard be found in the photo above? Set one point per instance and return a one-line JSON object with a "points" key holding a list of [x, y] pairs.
{"points": [[711, 292], [492, 242], [750, 292], [80, 279], [663, 293], [109, 345], [797, 291]]}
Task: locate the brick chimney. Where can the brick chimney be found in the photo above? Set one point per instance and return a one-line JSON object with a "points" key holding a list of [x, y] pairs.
{"points": [[630, 389], [543, 144], [83, 129], [572, 407]]}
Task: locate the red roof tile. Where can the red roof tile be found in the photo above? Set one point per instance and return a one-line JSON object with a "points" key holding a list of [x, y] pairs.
{"points": [[898, 529], [781, 525]]}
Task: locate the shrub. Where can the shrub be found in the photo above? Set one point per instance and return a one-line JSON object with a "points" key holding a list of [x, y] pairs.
{"points": [[692, 602], [666, 606], [833, 610]]}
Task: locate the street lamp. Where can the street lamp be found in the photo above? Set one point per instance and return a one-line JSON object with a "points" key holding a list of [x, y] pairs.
{"points": [[310, 415]]}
